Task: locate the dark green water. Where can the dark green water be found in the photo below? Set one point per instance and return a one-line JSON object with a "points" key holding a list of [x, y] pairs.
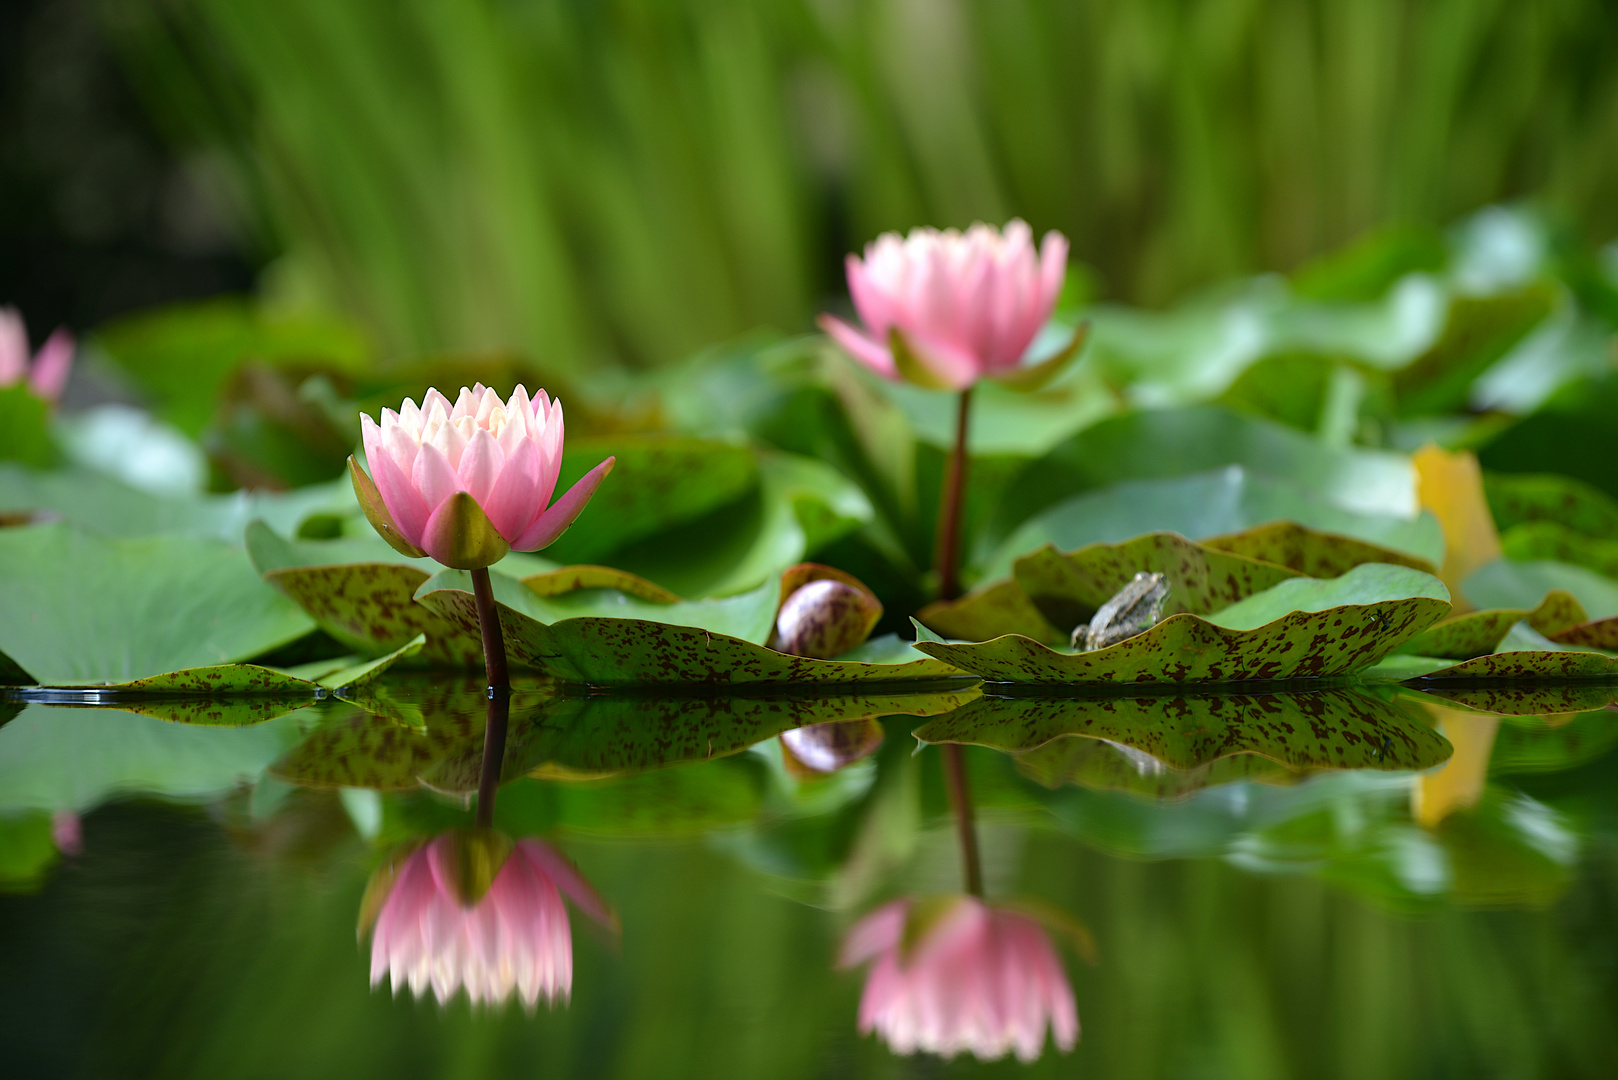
{"points": [[1250, 919]]}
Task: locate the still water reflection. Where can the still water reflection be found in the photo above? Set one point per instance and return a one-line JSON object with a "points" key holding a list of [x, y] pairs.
{"points": [[1332, 883]]}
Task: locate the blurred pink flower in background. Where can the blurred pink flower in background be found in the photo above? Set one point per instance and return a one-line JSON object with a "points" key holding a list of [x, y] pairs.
{"points": [[67, 832], [970, 977], [47, 376], [506, 455], [514, 939], [967, 305]]}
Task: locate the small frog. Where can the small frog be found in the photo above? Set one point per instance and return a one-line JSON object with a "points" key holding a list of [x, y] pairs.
{"points": [[1136, 607]]}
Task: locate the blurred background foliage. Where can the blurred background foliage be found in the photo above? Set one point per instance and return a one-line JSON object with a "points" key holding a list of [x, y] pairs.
{"points": [[595, 185]]}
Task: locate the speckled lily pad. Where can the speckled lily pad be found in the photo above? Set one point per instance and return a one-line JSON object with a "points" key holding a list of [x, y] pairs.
{"points": [[640, 652], [1529, 700], [1300, 629], [1068, 587], [988, 612], [1311, 551]]}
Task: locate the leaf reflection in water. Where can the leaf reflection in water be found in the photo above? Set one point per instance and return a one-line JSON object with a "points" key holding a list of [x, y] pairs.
{"points": [[1334, 729]]}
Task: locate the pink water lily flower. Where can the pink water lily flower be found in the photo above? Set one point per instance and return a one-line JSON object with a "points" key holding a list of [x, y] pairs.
{"points": [[964, 305], [47, 376], [973, 978], [514, 940], [467, 482]]}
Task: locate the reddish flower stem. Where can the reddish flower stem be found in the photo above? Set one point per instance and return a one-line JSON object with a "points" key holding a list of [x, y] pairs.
{"points": [[494, 753], [947, 549], [960, 803], [494, 641], [494, 665]]}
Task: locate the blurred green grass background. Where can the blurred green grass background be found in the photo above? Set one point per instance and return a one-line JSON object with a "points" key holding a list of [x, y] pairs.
{"points": [[617, 184]]}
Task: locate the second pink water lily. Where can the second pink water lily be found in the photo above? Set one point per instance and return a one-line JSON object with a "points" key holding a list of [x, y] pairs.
{"points": [[468, 481], [964, 305]]}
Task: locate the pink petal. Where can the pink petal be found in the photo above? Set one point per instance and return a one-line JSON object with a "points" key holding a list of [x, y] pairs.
{"points": [[53, 365], [433, 477], [515, 502], [555, 521], [870, 300], [480, 466], [405, 504], [856, 344], [1052, 272], [551, 863], [877, 932]]}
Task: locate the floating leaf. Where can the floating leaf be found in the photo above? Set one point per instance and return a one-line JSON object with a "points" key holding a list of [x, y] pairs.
{"points": [[639, 652], [1507, 584], [1071, 586], [988, 612], [1302, 628], [1479, 331], [1537, 540], [353, 675], [1164, 443], [573, 578], [219, 680], [1461, 637], [1530, 665], [81, 609], [1517, 499], [1311, 552], [1333, 729], [1217, 503], [658, 482], [371, 608]]}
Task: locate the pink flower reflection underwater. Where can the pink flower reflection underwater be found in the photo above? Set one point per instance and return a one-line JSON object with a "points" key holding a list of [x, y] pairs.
{"points": [[974, 978], [514, 939]]}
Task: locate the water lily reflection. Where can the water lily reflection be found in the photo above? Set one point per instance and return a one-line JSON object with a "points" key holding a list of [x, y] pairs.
{"points": [[475, 910], [821, 749], [953, 973]]}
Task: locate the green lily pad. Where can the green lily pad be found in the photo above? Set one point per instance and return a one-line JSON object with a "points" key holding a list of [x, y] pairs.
{"points": [[99, 504], [1517, 499], [1312, 552], [352, 675], [370, 608], [1530, 665], [82, 610], [988, 612], [640, 652], [1507, 584], [1461, 637], [355, 748], [1595, 634], [218, 680], [659, 481], [1302, 628], [1333, 729], [1537, 540], [1164, 443], [1210, 504], [1069, 587]]}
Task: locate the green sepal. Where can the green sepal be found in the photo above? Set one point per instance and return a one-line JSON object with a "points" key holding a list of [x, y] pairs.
{"points": [[1026, 380], [460, 535], [376, 511], [911, 369], [922, 917], [479, 853]]}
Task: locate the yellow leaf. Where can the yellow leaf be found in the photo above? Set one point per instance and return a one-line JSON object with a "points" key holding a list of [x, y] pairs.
{"points": [[1451, 486]]}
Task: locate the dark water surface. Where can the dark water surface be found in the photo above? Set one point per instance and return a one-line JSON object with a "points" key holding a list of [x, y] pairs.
{"points": [[1253, 910]]}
